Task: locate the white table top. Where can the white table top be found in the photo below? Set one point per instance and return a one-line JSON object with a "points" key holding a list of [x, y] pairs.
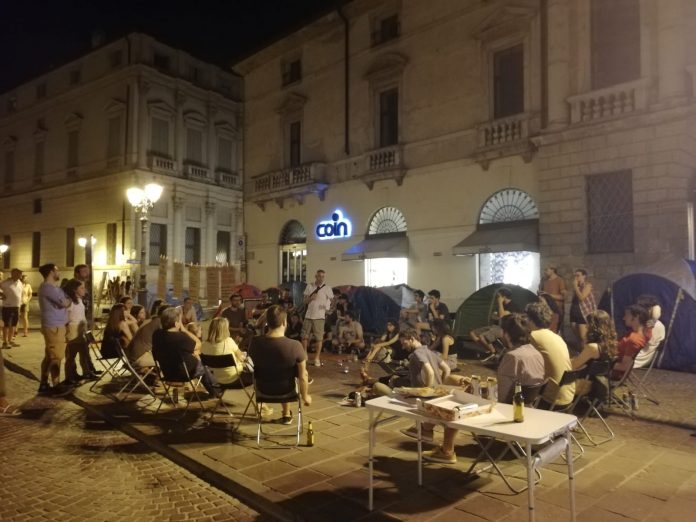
{"points": [[538, 427]]}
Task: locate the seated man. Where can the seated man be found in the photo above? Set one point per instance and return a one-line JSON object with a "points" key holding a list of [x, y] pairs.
{"points": [[350, 335], [278, 361], [521, 363], [260, 308], [487, 336], [173, 343], [436, 308], [188, 312], [236, 317], [554, 351], [416, 315], [654, 327], [635, 318]]}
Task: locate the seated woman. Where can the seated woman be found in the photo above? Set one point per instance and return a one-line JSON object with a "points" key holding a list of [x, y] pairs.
{"points": [[294, 330], [388, 341], [139, 314], [443, 338], [220, 342], [116, 330], [132, 322], [601, 346]]}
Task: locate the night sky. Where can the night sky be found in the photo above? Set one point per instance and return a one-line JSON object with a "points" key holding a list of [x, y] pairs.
{"points": [[36, 36]]}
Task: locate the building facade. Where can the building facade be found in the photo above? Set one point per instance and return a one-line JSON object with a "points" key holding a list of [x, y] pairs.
{"points": [[129, 113], [449, 144]]}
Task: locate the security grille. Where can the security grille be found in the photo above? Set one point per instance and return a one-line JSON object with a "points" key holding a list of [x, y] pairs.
{"points": [[387, 220], [610, 212]]}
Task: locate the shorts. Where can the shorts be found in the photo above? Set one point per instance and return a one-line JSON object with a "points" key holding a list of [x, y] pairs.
{"points": [[313, 326], [54, 337], [489, 333], [10, 315], [576, 315]]}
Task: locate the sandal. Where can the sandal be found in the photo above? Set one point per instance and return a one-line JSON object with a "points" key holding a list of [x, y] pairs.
{"points": [[9, 411]]}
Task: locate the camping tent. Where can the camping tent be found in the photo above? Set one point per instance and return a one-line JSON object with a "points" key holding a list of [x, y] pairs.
{"points": [[400, 294], [375, 308], [672, 282], [476, 309]]}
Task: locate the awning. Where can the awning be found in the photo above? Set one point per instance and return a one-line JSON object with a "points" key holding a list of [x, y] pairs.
{"points": [[377, 246], [511, 236]]}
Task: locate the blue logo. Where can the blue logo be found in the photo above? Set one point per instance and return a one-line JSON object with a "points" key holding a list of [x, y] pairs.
{"points": [[336, 228]]}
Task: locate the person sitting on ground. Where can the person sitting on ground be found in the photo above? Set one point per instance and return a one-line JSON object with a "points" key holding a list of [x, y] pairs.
{"points": [[139, 350], [188, 312], [555, 353], [294, 327], [278, 361], [521, 363], [635, 318], [443, 338], [220, 342], [117, 329], [350, 335], [416, 315], [387, 342], [173, 344], [236, 317], [436, 308], [490, 336], [426, 369], [655, 328]]}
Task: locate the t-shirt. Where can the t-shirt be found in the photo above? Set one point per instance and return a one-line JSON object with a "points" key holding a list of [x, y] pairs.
{"points": [[317, 308], [524, 364], [631, 344], [237, 318], [441, 309], [275, 362], [51, 299], [76, 312], [13, 293], [168, 349], [555, 286], [226, 347], [554, 350], [657, 335], [351, 332], [416, 366]]}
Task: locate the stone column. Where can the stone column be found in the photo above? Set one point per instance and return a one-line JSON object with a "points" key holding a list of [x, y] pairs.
{"points": [[210, 241], [178, 234], [671, 50], [558, 52]]}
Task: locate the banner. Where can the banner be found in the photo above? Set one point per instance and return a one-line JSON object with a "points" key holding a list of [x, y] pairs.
{"points": [[178, 292], [194, 282], [212, 280], [162, 278]]}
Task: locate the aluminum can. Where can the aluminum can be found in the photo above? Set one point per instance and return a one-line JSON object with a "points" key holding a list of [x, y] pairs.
{"points": [[358, 399], [475, 385], [492, 388]]}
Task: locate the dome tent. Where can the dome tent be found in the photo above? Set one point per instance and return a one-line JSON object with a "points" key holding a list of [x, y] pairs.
{"points": [[672, 281], [476, 309]]}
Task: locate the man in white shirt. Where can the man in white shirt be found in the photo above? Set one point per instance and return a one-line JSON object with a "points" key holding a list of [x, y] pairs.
{"points": [[317, 298], [11, 290]]}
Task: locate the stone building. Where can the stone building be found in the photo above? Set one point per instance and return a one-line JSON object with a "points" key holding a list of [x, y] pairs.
{"points": [[452, 143], [128, 113]]}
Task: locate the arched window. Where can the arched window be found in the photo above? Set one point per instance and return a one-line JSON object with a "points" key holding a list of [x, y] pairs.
{"points": [[387, 220], [508, 205], [293, 252], [293, 232]]}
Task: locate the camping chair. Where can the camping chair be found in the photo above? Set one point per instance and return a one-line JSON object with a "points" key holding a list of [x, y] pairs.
{"points": [[570, 377], [108, 361], [171, 382], [594, 370], [291, 394], [639, 383], [136, 380], [227, 361], [618, 377]]}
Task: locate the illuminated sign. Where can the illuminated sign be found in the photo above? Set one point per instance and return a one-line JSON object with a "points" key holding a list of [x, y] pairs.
{"points": [[337, 227]]}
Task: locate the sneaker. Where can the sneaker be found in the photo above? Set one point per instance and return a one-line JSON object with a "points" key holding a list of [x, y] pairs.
{"points": [[316, 362], [44, 389], [426, 436], [438, 455], [287, 420]]}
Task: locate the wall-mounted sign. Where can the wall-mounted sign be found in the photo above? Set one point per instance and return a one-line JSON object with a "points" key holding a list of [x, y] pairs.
{"points": [[338, 227]]}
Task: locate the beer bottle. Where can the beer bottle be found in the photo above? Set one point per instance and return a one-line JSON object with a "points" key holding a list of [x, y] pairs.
{"points": [[310, 434], [518, 404]]}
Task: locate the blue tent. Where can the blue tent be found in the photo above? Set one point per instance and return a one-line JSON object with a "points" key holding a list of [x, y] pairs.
{"points": [[673, 282], [375, 308]]}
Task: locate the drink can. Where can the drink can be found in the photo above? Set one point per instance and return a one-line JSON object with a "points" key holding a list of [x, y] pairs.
{"points": [[475, 385], [492, 388], [358, 399]]}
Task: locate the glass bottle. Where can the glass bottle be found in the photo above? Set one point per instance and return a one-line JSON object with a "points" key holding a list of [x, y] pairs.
{"points": [[518, 404], [310, 434]]}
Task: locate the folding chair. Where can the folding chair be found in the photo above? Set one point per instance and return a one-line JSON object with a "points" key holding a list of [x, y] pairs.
{"points": [[594, 370], [228, 361], [175, 380], [136, 379], [618, 376], [639, 383], [570, 377], [108, 361], [292, 394]]}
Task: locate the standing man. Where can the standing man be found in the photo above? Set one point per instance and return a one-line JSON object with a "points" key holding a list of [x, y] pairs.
{"points": [[317, 298], [553, 287], [54, 316], [12, 290]]}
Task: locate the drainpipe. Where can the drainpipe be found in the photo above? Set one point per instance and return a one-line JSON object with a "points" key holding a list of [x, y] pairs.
{"points": [[346, 80]]}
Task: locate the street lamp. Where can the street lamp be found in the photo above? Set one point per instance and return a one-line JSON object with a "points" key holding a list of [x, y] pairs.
{"points": [[88, 245], [143, 200], [3, 248]]}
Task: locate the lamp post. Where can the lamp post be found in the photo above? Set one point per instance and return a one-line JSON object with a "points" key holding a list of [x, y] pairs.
{"points": [[143, 200], [89, 285]]}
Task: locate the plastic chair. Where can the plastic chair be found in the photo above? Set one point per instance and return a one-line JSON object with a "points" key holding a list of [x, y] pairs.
{"points": [[223, 362], [290, 394]]}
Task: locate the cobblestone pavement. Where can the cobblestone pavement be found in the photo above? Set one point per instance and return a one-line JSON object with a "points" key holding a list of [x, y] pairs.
{"points": [[57, 463]]}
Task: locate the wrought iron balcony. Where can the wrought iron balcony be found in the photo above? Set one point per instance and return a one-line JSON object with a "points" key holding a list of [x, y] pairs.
{"points": [[294, 182]]}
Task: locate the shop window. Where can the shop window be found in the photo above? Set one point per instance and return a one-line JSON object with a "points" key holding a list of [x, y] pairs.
{"points": [[158, 243], [610, 212], [389, 118], [293, 253], [615, 42], [386, 271], [192, 247], [508, 82]]}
